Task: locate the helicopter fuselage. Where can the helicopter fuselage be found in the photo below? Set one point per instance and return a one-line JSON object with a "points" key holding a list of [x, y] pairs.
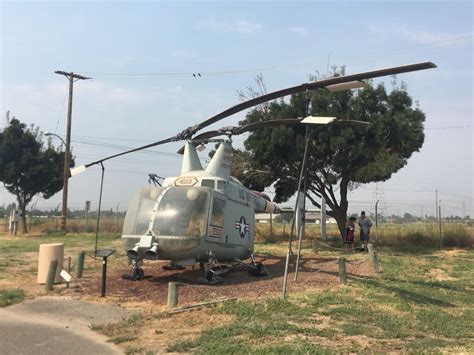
{"points": [[194, 217]]}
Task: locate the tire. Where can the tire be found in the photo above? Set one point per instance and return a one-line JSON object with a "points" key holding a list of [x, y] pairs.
{"points": [[210, 276]]}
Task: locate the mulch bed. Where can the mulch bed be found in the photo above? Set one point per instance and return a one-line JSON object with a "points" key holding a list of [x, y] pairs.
{"points": [[319, 272]]}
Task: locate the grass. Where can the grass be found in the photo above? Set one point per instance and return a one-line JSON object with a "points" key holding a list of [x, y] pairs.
{"points": [[17, 260], [406, 308], [9, 297], [421, 302], [15, 246]]}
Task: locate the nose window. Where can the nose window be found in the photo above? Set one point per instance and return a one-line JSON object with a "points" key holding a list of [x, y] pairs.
{"points": [[182, 212]]}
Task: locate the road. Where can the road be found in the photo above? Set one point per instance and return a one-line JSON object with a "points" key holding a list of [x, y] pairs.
{"points": [[56, 326]]}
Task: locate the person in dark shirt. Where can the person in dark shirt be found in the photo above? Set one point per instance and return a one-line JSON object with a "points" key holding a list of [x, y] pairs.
{"points": [[365, 224]]}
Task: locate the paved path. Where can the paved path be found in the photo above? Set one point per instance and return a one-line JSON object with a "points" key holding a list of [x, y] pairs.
{"points": [[56, 326]]}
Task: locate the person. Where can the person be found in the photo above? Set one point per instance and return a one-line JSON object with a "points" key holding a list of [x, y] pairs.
{"points": [[349, 233], [364, 224]]}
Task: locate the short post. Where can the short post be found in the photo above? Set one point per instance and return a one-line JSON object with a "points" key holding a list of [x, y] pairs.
{"points": [[80, 264], [373, 257], [51, 275], [376, 261], [68, 269], [342, 271], [104, 253], [173, 294], [315, 246]]}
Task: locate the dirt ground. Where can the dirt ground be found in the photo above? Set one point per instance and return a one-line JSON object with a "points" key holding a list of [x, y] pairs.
{"points": [[316, 272]]}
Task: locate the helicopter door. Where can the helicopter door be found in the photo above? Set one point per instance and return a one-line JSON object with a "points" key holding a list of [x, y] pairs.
{"points": [[216, 222]]}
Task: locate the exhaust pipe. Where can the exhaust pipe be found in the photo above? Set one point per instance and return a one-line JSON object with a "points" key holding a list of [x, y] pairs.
{"points": [[133, 253], [152, 253]]}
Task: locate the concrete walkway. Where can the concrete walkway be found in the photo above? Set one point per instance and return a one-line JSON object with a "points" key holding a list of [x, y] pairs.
{"points": [[49, 325]]}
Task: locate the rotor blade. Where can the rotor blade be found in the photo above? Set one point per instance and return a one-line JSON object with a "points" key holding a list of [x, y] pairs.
{"points": [[242, 129], [207, 135], [190, 131], [167, 140], [263, 124], [351, 122], [313, 86]]}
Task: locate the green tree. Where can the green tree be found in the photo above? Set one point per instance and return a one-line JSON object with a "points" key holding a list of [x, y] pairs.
{"points": [[340, 157], [27, 166]]}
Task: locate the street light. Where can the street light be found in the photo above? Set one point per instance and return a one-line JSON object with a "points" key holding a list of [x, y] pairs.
{"points": [[48, 134], [65, 180]]}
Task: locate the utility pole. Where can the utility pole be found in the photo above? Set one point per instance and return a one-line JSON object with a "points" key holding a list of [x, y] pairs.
{"points": [[72, 78], [437, 216]]}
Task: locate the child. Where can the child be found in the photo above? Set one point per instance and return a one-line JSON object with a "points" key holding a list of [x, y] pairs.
{"points": [[349, 233]]}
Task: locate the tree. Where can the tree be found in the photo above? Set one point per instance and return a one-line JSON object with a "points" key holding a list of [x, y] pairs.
{"points": [[27, 167], [340, 157]]}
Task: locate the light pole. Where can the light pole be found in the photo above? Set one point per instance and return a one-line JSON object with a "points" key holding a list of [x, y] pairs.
{"points": [[65, 179]]}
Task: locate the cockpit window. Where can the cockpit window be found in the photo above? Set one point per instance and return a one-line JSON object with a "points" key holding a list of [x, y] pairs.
{"points": [[221, 186], [140, 210], [207, 183], [182, 212], [217, 216]]}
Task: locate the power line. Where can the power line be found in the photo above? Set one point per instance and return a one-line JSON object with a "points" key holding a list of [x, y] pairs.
{"points": [[200, 73], [448, 127]]}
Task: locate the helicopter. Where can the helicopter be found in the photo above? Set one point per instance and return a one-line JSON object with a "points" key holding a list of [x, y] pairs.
{"points": [[205, 215]]}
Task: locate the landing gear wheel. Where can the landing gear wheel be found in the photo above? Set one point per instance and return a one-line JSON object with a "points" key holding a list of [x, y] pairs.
{"points": [[258, 270], [210, 276], [137, 274]]}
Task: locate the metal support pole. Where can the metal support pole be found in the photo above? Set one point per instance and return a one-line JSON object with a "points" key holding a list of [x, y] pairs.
{"points": [[87, 207], [440, 230], [98, 212], [104, 276], [301, 232], [116, 218], [289, 253], [376, 223]]}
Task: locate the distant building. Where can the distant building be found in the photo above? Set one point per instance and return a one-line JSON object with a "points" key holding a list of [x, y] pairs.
{"points": [[312, 216]]}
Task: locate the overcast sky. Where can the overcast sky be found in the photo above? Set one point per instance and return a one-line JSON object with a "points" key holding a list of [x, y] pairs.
{"points": [[141, 56]]}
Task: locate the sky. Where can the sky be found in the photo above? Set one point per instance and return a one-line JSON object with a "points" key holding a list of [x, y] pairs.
{"points": [[141, 57]]}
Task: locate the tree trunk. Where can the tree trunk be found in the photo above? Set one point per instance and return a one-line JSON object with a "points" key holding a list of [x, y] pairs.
{"points": [[341, 217], [338, 208], [23, 220], [22, 207]]}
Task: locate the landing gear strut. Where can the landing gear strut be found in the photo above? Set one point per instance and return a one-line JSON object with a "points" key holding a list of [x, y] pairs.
{"points": [[136, 272], [212, 270], [254, 268]]}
